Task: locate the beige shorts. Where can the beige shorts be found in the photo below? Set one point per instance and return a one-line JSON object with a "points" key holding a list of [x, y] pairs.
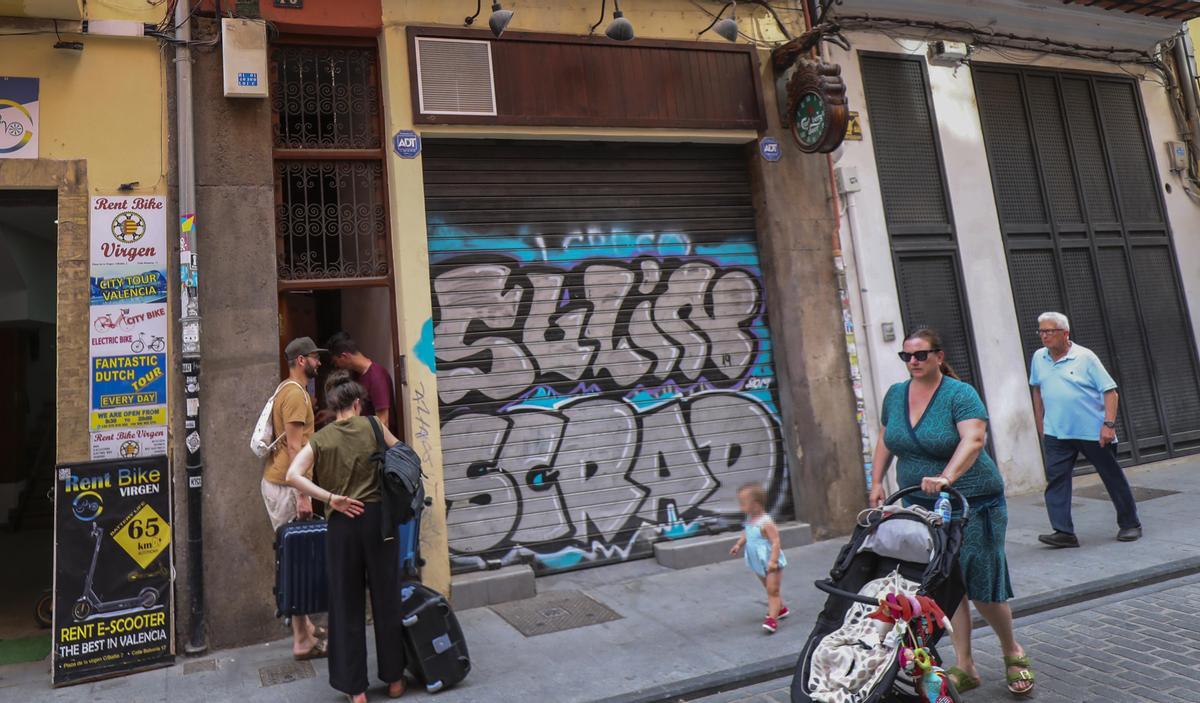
{"points": [[280, 500]]}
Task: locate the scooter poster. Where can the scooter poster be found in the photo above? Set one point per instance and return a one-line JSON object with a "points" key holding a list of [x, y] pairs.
{"points": [[112, 569]]}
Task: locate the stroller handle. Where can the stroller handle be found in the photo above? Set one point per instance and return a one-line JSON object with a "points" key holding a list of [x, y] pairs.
{"points": [[954, 495], [827, 586]]}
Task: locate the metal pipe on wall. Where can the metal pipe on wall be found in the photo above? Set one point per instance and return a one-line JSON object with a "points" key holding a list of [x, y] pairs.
{"points": [[1187, 87], [189, 321]]}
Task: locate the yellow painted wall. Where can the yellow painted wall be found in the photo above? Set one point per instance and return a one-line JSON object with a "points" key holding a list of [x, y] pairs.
{"points": [[652, 19], [105, 104]]}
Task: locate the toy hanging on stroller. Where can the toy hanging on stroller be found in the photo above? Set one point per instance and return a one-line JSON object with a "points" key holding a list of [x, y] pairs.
{"points": [[892, 592]]}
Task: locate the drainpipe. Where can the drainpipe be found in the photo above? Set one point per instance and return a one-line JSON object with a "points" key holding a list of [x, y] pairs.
{"points": [[1187, 87], [189, 321]]}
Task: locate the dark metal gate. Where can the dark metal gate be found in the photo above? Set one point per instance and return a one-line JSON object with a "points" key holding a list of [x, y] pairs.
{"points": [[1086, 233], [916, 205]]}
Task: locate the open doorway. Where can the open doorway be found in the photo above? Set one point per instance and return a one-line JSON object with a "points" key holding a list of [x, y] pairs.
{"points": [[365, 313], [28, 289]]}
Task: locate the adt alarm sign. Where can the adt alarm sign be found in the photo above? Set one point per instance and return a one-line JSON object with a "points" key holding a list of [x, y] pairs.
{"points": [[407, 144], [769, 148]]}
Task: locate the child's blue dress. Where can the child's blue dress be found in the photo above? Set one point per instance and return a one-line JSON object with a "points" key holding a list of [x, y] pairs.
{"points": [[758, 548]]}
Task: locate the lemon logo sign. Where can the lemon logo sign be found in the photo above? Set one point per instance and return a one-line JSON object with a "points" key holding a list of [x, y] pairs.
{"points": [[87, 506], [128, 227], [17, 130], [130, 449]]}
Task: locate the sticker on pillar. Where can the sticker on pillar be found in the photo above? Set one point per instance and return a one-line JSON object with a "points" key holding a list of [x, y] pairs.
{"points": [[18, 118], [854, 128], [129, 443], [769, 148], [407, 144]]}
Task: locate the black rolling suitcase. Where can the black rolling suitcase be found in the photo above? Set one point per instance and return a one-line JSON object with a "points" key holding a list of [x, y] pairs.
{"points": [[301, 585], [437, 652]]}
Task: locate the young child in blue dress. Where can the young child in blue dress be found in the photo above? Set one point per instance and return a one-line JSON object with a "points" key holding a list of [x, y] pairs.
{"points": [[764, 553]]}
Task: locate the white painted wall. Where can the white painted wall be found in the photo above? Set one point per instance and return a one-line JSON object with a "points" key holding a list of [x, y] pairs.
{"points": [[868, 254]]}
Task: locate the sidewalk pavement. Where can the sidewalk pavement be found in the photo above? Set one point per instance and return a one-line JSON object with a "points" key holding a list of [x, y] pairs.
{"points": [[683, 633]]}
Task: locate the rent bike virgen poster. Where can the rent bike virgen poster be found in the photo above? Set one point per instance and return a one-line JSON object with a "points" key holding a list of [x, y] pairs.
{"points": [[112, 569]]}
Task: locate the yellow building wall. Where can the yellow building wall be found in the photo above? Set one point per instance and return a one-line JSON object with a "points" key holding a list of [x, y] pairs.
{"points": [[106, 104], [663, 19]]}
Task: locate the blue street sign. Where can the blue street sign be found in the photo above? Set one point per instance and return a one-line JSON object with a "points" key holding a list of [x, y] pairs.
{"points": [[769, 148], [407, 144]]}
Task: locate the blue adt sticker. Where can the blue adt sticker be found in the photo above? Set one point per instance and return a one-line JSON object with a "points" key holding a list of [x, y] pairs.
{"points": [[769, 148], [407, 144], [248, 80]]}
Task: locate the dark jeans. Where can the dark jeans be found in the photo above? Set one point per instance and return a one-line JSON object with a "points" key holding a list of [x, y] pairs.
{"points": [[1060, 464], [358, 558]]}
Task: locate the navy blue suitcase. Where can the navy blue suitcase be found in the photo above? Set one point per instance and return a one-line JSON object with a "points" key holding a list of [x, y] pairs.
{"points": [[301, 584], [433, 639]]}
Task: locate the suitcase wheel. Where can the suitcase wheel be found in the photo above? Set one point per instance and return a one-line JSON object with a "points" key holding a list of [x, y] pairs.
{"points": [[428, 502], [420, 561], [409, 621], [433, 687]]}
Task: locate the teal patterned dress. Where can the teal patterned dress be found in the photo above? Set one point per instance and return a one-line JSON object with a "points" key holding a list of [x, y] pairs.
{"points": [[923, 450]]}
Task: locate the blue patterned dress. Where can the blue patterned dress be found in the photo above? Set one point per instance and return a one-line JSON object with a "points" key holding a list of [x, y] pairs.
{"points": [[923, 450]]}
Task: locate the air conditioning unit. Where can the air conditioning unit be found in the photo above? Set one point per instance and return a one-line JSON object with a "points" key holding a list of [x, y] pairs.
{"points": [[244, 57], [948, 53]]}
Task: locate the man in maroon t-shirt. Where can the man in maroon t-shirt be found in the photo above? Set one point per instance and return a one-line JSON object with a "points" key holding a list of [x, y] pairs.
{"points": [[372, 376]]}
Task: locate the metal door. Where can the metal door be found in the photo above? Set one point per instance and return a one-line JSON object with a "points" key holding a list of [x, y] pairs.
{"points": [[919, 218], [1086, 233], [605, 373]]}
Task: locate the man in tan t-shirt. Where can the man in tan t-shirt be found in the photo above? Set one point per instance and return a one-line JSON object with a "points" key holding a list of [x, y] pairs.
{"points": [[292, 421]]}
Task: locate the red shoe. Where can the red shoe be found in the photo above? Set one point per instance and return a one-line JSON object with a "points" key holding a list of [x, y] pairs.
{"points": [[770, 625], [784, 612]]}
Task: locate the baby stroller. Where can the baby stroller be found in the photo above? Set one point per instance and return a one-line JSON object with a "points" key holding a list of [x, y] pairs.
{"points": [[891, 594]]}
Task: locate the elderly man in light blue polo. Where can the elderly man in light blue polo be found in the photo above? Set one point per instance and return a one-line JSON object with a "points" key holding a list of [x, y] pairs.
{"points": [[1075, 404]]}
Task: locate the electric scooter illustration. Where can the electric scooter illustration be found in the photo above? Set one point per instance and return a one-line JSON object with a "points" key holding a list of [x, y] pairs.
{"points": [[90, 603]]}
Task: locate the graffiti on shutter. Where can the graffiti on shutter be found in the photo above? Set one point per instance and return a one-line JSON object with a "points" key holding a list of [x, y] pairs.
{"points": [[600, 395]]}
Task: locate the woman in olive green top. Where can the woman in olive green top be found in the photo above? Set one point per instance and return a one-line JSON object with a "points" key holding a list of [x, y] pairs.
{"points": [[346, 479]]}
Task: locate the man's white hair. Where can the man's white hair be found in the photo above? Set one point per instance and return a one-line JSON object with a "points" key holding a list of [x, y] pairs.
{"points": [[1057, 318]]}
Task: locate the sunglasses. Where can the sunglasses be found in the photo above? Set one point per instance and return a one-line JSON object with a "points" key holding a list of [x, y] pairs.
{"points": [[919, 356]]}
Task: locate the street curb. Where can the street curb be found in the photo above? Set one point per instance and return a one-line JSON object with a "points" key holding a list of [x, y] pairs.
{"points": [[777, 667]]}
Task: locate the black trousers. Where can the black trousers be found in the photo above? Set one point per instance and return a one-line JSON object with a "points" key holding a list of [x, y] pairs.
{"points": [[358, 558]]}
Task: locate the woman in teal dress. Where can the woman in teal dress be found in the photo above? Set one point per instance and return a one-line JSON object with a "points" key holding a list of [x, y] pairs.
{"points": [[936, 426]]}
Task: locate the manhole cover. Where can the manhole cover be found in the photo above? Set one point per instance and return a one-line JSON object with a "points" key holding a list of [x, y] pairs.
{"points": [[285, 672], [554, 611], [1140, 493], [199, 666]]}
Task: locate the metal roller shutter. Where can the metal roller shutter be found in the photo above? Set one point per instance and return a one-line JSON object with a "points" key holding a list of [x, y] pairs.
{"points": [[604, 362]]}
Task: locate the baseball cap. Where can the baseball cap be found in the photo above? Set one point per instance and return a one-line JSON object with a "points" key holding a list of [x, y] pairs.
{"points": [[301, 346]]}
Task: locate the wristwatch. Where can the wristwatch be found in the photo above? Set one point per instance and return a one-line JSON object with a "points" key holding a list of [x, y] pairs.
{"points": [[1110, 425]]}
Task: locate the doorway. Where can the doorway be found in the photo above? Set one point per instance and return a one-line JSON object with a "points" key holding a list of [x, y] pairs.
{"points": [[365, 313], [28, 290]]}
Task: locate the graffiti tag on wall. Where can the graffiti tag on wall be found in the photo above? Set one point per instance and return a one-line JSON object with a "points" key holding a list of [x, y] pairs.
{"points": [[600, 394]]}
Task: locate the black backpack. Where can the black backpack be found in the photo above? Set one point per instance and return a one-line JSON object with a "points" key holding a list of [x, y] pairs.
{"points": [[400, 479]]}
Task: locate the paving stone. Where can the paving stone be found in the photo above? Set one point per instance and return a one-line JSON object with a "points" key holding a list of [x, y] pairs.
{"points": [[1077, 668]]}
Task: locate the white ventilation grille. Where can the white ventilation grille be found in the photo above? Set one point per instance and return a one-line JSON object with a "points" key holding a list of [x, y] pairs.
{"points": [[454, 77]]}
